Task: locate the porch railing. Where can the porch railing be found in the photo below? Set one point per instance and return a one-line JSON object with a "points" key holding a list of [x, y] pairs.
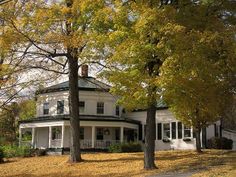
{"points": [[85, 144], [98, 144], [56, 143], [104, 144]]}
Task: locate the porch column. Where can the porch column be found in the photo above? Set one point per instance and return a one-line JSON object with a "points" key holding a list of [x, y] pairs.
{"points": [[121, 134], [33, 138], [191, 132], [93, 136], [62, 135], [50, 137], [20, 136]]}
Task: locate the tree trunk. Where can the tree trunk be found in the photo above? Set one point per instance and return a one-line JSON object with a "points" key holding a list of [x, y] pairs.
{"points": [[75, 153], [149, 146], [198, 140]]}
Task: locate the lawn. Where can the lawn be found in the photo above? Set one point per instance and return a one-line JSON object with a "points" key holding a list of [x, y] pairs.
{"points": [[210, 163]]}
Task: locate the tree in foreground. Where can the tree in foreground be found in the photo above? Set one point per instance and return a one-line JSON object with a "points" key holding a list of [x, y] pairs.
{"points": [[144, 39], [197, 80], [9, 117], [139, 32], [55, 36]]}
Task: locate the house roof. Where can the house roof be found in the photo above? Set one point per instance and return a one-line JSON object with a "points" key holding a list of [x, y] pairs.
{"points": [[84, 83], [82, 118]]}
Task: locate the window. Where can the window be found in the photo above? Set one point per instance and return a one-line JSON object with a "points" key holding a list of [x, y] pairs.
{"points": [[45, 108], [216, 130], [187, 131], [166, 130], [173, 130], [179, 130], [81, 133], [159, 129], [60, 107], [99, 133], [81, 106], [100, 108], [117, 110], [56, 133]]}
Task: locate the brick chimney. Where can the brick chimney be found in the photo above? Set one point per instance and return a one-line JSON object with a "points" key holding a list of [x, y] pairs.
{"points": [[84, 71]]}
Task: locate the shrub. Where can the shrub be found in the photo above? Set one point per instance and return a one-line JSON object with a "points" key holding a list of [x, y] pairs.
{"points": [[125, 147], [114, 148], [131, 147], [1, 155], [16, 151], [40, 152], [220, 143]]}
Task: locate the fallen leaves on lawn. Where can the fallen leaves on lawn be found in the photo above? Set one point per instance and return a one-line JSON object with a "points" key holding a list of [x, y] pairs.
{"points": [[116, 164]]}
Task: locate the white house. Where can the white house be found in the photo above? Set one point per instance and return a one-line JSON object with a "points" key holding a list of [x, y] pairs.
{"points": [[102, 121]]}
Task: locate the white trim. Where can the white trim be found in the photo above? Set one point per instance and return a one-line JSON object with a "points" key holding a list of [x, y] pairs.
{"points": [[50, 137], [62, 135], [82, 124], [93, 136], [121, 134], [41, 124], [33, 137]]}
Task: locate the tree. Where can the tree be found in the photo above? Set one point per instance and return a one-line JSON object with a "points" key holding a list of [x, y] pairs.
{"points": [[198, 76], [136, 60], [142, 41], [56, 37], [11, 114]]}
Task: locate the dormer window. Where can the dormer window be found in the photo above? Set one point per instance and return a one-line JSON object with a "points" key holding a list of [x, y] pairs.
{"points": [[60, 107], [100, 108], [81, 106], [45, 108], [117, 110]]}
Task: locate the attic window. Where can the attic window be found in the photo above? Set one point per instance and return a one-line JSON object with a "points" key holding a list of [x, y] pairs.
{"points": [[45, 108], [81, 106], [100, 108], [60, 107]]}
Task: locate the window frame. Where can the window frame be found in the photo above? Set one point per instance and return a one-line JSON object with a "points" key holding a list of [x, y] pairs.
{"points": [[187, 128], [56, 133], [60, 108], [100, 107], [180, 130], [173, 130], [117, 110], [81, 108], [81, 133], [164, 136], [99, 132], [46, 111]]}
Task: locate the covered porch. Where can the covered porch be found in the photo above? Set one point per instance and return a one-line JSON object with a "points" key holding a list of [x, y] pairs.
{"points": [[93, 134]]}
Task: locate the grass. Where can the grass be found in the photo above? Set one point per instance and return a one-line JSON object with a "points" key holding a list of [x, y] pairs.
{"points": [[211, 163]]}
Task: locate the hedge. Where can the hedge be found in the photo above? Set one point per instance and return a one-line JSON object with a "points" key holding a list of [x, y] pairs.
{"points": [[125, 147], [16, 151], [220, 143]]}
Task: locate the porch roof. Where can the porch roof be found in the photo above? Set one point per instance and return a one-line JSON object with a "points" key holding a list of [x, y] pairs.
{"points": [[82, 118]]}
